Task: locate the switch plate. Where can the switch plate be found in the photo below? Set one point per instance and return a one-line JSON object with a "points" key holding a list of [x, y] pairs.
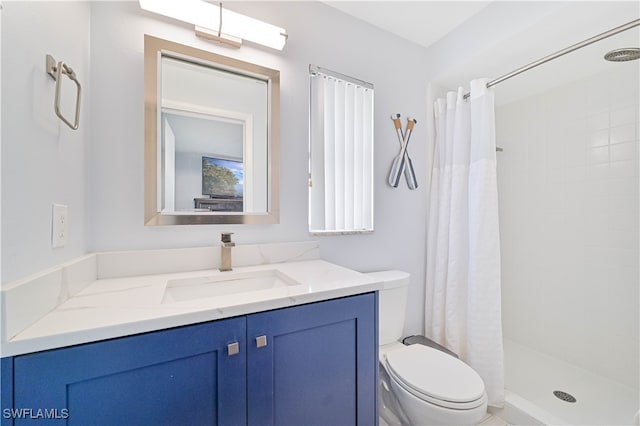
{"points": [[58, 225]]}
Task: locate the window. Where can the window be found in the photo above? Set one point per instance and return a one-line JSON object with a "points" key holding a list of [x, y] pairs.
{"points": [[340, 153]]}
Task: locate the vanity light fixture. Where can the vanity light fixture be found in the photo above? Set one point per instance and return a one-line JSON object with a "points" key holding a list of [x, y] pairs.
{"points": [[213, 22]]}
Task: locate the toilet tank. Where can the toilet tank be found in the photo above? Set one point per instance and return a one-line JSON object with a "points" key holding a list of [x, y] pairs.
{"points": [[392, 304]]}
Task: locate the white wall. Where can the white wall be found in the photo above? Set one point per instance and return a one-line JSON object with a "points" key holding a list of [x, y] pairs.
{"points": [[318, 35], [43, 161], [568, 180], [168, 167], [507, 35], [188, 179]]}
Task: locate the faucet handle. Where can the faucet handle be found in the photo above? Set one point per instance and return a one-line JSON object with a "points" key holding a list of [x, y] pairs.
{"points": [[225, 237]]}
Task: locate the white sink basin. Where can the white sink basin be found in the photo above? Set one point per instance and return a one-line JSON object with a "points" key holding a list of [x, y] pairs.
{"points": [[225, 284]]}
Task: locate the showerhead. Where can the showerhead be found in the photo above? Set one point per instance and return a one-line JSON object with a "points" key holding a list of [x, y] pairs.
{"points": [[623, 55]]}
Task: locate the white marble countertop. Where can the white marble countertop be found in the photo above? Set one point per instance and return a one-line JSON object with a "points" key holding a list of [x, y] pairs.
{"points": [[116, 307]]}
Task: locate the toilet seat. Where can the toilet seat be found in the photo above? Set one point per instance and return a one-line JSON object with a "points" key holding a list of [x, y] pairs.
{"points": [[436, 377]]}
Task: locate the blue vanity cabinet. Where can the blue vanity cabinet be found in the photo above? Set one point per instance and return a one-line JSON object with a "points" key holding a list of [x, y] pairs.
{"points": [[314, 364], [173, 377]]}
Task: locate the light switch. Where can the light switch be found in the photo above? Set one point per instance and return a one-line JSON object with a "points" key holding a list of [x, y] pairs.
{"points": [[58, 225]]}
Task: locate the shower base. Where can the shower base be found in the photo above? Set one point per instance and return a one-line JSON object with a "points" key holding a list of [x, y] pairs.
{"points": [[532, 377]]}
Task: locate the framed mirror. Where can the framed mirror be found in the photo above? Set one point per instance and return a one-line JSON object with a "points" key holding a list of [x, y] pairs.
{"points": [[211, 138]]}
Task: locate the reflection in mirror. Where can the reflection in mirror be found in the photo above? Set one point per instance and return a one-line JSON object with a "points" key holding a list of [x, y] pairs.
{"points": [[203, 167], [210, 138]]}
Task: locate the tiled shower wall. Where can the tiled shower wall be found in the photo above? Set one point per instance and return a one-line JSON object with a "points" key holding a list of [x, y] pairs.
{"points": [[568, 186]]}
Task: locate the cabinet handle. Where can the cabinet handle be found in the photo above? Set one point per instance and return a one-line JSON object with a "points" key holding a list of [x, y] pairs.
{"points": [[261, 341], [233, 348]]}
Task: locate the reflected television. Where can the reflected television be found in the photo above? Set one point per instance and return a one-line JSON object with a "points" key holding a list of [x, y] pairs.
{"points": [[222, 178]]}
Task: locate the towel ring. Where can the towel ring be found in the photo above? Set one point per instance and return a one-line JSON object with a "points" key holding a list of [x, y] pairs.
{"points": [[56, 71]]}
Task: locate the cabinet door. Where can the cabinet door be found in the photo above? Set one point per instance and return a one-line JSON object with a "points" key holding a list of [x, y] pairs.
{"points": [[319, 365], [178, 376]]}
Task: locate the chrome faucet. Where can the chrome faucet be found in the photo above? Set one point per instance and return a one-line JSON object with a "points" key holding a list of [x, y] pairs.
{"points": [[225, 251]]}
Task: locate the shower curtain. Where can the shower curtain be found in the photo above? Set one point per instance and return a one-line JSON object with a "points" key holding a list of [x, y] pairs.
{"points": [[462, 309]]}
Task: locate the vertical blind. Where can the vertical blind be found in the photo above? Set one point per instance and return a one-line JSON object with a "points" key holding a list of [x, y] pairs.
{"points": [[341, 153]]}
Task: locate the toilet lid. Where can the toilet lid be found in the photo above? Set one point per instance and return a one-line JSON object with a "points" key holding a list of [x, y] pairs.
{"points": [[436, 374]]}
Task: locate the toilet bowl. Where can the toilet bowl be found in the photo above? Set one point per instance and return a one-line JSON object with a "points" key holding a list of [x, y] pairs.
{"points": [[432, 387], [421, 385]]}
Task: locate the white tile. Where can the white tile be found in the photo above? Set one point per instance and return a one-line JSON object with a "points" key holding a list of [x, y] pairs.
{"points": [[576, 174], [598, 121], [597, 191], [622, 257], [599, 137], [626, 133], [623, 187], [625, 115], [623, 169], [570, 234], [492, 420], [575, 153], [599, 154], [624, 151], [623, 237], [621, 206], [598, 172], [597, 97]]}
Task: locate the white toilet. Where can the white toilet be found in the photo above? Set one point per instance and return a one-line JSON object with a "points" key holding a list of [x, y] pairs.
{"points": [[420, 385]]}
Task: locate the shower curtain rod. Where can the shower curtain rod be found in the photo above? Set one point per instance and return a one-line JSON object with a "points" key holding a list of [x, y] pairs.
{"points": [[563, 52]]}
